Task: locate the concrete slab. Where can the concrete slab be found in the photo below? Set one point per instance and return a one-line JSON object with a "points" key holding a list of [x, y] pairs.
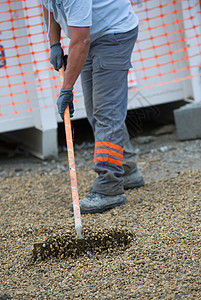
{"points": [[188, 121]]}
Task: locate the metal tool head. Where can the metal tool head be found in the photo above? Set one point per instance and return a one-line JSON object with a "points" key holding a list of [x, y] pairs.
{"points": [[95, 241]]}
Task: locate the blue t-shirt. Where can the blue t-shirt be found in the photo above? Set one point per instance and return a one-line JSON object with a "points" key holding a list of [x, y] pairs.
{"points": [[102, 16]]}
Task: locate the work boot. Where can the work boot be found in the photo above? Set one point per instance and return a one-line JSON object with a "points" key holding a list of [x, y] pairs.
{"points": [[133, 179], [98, 203]]}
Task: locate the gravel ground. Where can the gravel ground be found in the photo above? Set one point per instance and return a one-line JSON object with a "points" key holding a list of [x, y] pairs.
{"points": [[163, 259]]}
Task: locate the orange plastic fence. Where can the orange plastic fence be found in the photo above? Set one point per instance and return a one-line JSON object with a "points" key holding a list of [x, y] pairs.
{"points": [[161, 55]]}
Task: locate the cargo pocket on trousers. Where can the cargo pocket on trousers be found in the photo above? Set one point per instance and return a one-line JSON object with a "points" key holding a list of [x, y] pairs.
{"points": [[114, 63]]}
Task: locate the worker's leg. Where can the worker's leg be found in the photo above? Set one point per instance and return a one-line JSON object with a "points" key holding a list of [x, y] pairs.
{"points": [[131, 176], [111, 61]]}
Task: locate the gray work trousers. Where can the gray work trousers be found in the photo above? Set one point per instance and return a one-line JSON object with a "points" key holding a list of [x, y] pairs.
{"points": [[105, 88]]}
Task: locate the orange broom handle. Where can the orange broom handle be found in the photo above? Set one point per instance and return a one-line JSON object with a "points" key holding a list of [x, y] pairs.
{"points": [[71, 162]]}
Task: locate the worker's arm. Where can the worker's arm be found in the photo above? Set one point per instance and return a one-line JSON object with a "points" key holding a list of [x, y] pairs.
{"points": [[77, 54]]}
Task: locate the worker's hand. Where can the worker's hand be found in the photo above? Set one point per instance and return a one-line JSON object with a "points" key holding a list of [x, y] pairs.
{"points": [[65, 99], [56, 56]]}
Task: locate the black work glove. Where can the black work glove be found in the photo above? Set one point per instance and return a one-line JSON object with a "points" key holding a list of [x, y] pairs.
{"points": [[56, 56], [65, 99]]}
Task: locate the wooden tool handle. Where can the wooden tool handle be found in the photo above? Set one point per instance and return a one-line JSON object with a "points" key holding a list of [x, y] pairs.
{"points": [[71, 163]]}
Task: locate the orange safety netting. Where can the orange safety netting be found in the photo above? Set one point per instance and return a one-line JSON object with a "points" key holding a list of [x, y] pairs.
{"points": [[166, 52]]}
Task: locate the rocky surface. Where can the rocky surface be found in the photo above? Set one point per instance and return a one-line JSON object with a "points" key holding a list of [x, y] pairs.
{"points": [[163, 258]]}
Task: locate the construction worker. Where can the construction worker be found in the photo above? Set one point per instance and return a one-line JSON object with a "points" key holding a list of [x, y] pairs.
{"points": [[102, 36]]}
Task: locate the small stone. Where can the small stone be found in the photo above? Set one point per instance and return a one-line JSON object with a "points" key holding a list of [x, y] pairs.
{"points": [[165, 148]]}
